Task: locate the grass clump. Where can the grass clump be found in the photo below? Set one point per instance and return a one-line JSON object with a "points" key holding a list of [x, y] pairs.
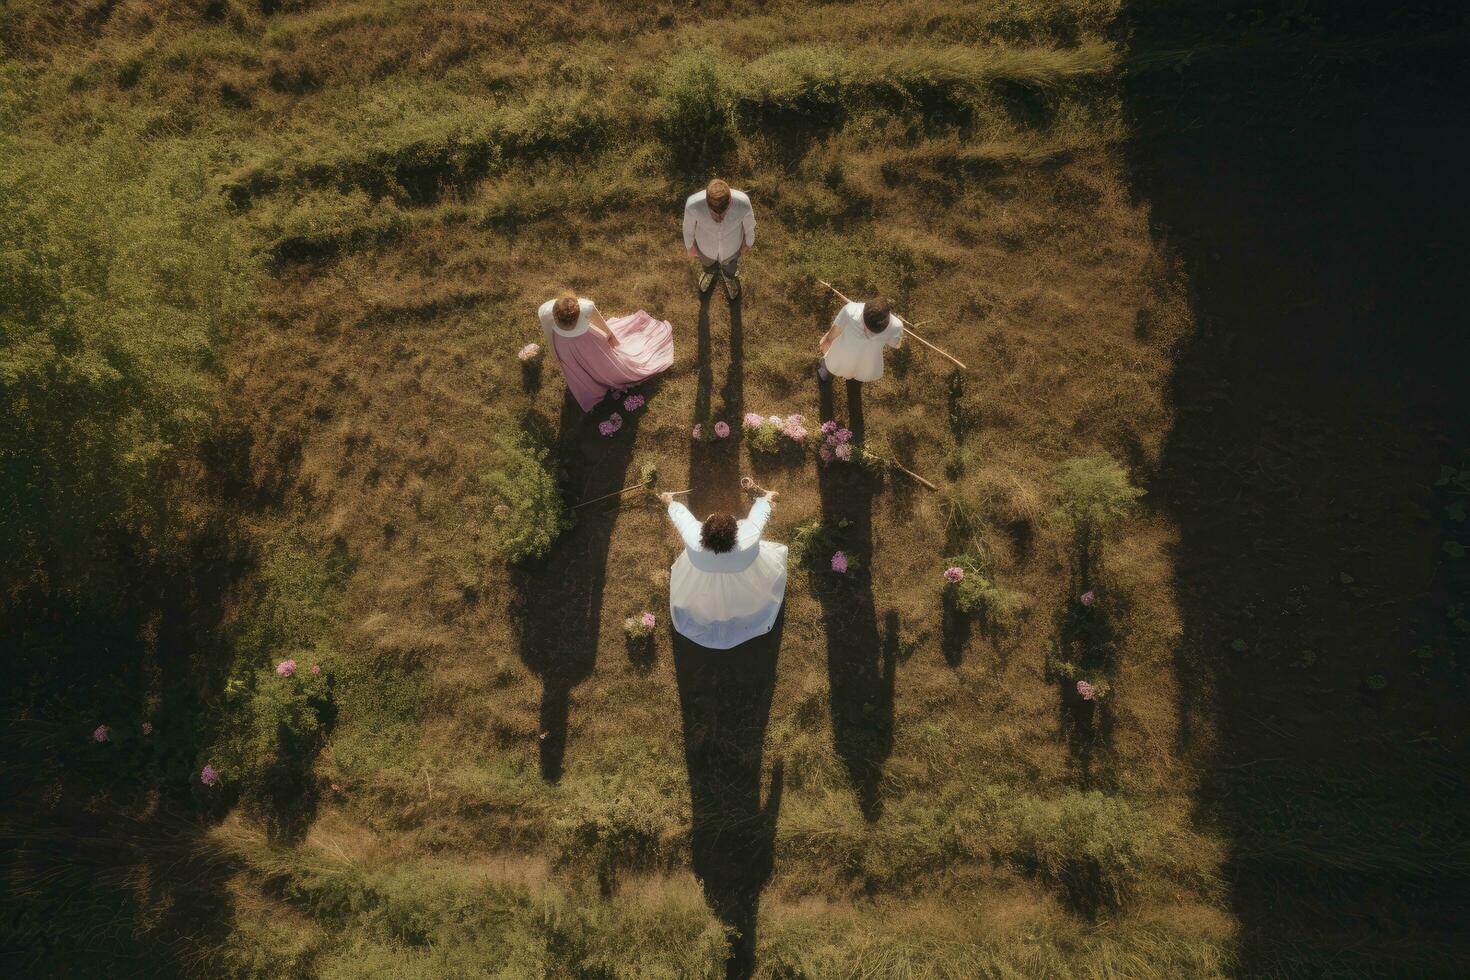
{"points": [[525, 502], [1093, 847], [976, 594], [1093, 497]]}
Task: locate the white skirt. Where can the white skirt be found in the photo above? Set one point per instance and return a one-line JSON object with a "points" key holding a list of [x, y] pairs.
{"points": [[721, 610]]}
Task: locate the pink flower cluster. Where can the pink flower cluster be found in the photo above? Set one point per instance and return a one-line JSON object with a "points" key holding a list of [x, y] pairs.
{"points": [[611, 424], [102, 734], [649, 620], [698, 431], [147, 728], [209, 776], [836, 442], [954, 573], [634, 402], [529, 352], [839, 563], [286, 668], [792, 426], [1086, 690], [722, 429], [316, 670], [1087, 598]]}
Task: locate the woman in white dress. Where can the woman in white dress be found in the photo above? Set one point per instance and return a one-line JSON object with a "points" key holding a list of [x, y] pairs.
{"points": [[853, 347], [728, 585]]}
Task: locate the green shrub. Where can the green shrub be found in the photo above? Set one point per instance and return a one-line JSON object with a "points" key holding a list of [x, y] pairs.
{"points": [[695, 112], [323, 223], [1093, 498], [526, 509]]}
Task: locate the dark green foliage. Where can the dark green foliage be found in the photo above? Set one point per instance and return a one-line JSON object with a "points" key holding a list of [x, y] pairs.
{"points": [[695, 113], [526, 509]]}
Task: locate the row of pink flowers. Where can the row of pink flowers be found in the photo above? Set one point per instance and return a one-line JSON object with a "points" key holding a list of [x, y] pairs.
{"points": [[836, 442], [722, 429], [792, 426], [611, 424]]}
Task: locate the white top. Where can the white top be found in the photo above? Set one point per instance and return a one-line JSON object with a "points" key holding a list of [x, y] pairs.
{"points": [[855, 353], [747, 538], [548, 322], [719, 239]]}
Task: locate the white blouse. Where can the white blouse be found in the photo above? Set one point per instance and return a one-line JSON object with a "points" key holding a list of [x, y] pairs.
{"points": [[548, 321], [855, 353], [747, 538]]}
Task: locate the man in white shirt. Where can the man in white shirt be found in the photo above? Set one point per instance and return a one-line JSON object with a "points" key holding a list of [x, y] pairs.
{"points": [[719, 227]]}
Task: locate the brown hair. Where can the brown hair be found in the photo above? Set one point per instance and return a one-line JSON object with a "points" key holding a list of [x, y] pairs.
{"points": [[876, 314], [718, 533], [717, 194], [566, 309]]}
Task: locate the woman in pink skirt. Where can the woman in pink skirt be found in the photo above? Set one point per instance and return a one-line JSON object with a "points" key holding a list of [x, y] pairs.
{"points": [[600, 355]]}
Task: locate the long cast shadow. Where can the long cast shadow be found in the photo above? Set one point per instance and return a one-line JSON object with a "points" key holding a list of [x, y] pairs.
{"points": [[725, 695], [861, 666], [1305, 171], [558, 600]]}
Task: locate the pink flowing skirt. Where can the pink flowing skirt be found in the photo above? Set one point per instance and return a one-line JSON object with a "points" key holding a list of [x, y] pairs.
{"points": [[593, 367]]}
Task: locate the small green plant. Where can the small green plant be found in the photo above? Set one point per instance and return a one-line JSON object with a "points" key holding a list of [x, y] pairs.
{"points": [[526, 506], [1093, 498], [974, 592], [638, 630], [1092, 846]]}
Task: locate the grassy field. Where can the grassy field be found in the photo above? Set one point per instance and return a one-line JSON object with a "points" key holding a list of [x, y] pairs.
{"points": [[1210, 242]]}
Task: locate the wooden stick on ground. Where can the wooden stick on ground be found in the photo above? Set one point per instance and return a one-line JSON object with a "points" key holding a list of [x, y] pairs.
{"points": [[911, 473], [609, 496], [907, 328]]}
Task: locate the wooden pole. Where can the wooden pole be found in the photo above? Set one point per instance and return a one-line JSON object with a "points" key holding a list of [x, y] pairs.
{"points": [[907, 328], [911, 473], [609, 496]]}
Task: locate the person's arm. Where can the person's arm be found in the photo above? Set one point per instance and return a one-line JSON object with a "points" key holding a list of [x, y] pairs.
{"points": [[685, 523], [598, 322], [828, 338], [747, 224], [895, 327], [755, 522], [689, 223]]}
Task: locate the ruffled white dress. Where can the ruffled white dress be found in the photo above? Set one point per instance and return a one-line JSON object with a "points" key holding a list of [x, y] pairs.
{"points": [[855, 353], [721, 600]]}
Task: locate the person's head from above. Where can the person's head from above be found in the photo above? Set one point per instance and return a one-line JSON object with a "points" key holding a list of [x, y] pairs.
{"points": [[718, 533], [875, 314], [717, 196], [566, 310]]}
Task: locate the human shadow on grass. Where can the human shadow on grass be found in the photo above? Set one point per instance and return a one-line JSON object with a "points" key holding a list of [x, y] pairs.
{"points": [[725, 699], [1086, 643], [861, 665], [557, 603], [725, 695]]}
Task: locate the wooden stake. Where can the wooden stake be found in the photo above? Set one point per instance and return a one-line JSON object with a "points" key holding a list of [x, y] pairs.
{"points": [[907, 328]]}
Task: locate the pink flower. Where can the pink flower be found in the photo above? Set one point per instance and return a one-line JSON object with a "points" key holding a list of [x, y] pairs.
{"points": [[954, 574], [634, 402], [613, 423], [102, 734], [843, 451], [721, 429], [147, 728], [839, 562], [826, 454], [649, 620], [698, 431], [336, 788], [529, 352], [1087, 598], [753, 421], [828, 428], [795, 419], [316, 670], [286, 668], [842, 435], [209, 776], [1085, 689], [796, 433]]}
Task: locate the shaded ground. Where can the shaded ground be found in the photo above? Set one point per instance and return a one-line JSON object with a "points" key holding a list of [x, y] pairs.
{"points": [[1318, 210]]}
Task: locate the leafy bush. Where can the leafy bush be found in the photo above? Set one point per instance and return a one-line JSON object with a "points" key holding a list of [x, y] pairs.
{"points": [[525, 501], [119, 273], [1093, 497], [695, 112]]}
